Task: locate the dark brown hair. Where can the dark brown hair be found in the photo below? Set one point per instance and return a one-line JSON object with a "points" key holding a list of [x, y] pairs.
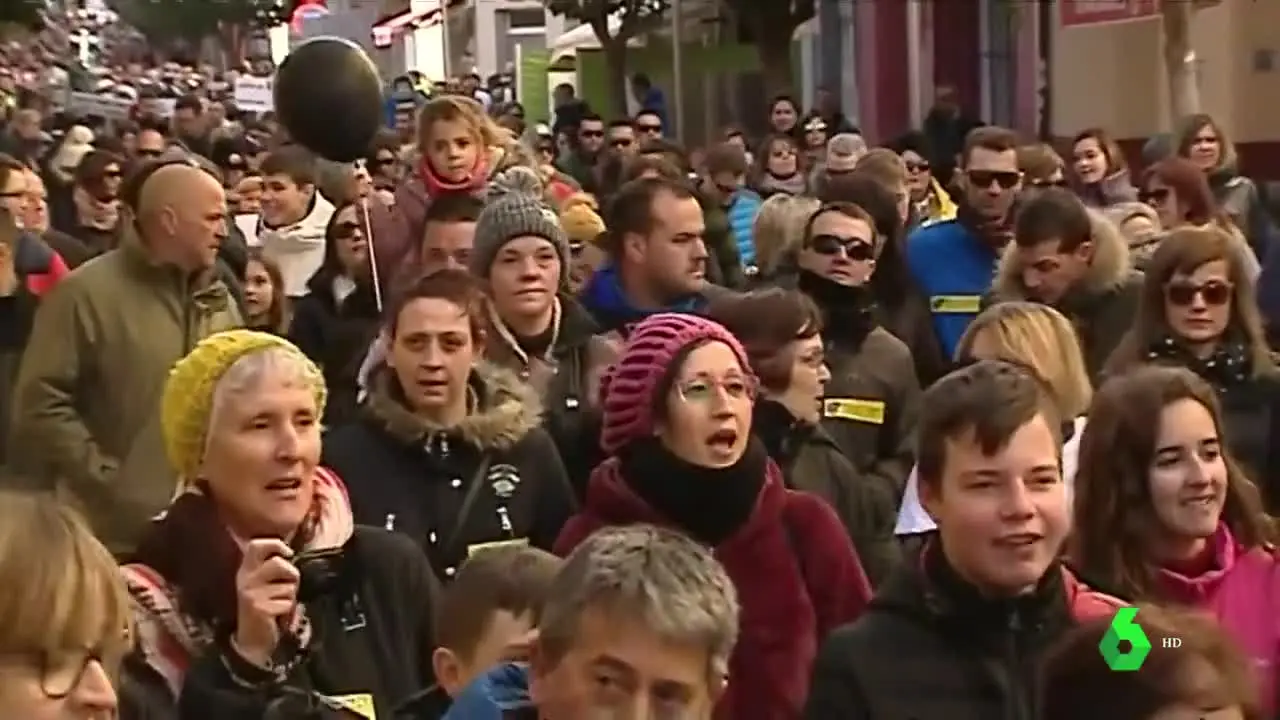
{"points": [[844, 208], [1204, 670], [514, 579], [988, 137], [1180, 253], [987, 401], [1191, 125], [767, 322], [1110, 148], [726, 158], [1115, 520], [294, 162], [1191, 186], [453, 285], [638, 167], [1053, 214], [630, 211], [280, 314]]}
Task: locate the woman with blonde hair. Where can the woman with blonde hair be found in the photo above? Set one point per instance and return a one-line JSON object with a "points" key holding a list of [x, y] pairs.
{"points": [[1040, 339], [66, 614], [779, 232]]}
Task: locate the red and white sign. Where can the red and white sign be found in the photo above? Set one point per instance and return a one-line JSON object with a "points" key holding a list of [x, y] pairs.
{"points": [[1087, 13]]}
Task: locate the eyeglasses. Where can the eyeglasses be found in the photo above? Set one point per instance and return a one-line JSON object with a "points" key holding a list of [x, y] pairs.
{"points": [[1158, 195], [854, 248], [60, 672], [1006, 179], [702, 390], [1214, 292], [917, 167]]}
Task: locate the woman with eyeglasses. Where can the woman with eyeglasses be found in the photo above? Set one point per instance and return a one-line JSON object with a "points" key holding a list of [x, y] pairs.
{"points": [[1198, 310], [66, 614], [1180, 195], [1099, 170], [336, 320], [678, 414]]}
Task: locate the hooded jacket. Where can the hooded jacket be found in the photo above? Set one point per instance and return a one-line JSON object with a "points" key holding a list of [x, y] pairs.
{"points": [[1241, 589], [298, 248], [1102, 305], [796, 576], [606, 300], [567, 381], [336, 335], [930, 647], [86, 402], [494, 478]]}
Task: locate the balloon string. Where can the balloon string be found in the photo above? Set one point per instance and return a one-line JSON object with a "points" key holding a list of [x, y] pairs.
{"points": [[373, 258]]}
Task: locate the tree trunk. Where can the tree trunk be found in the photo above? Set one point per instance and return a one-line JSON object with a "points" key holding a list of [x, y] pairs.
{"points": [[1180, 62], [774, 50], [615, 60]]}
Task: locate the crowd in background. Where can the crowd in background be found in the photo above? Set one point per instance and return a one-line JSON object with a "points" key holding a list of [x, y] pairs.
{"points": [[563, 419]]}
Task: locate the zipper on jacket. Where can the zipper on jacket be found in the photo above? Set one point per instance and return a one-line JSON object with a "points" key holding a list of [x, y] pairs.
{"points": [[1018, 703]]}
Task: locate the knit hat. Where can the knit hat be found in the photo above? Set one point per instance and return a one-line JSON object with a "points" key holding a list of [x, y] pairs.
{"points": [[627, 390], [844, 150], [514, 208], [187, 401], [581, 220]]}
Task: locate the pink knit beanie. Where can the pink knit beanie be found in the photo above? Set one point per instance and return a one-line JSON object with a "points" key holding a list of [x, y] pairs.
{"points": [[627, 390]]}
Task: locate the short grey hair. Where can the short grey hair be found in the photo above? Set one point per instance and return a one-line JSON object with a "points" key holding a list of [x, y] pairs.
{"points": [[246, 374], [669, 582]]}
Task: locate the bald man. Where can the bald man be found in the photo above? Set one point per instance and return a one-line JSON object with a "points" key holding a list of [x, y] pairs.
{"points": [[87, 397]]}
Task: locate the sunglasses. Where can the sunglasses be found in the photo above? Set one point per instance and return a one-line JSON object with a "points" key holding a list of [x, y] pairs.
{"points": [[855, 248], [1214, 292], [346, 230], [654, 129], [621, 142], [150, 153], [593, 134], [1006, 179], [917, 167], [1158, 195], [1048, 183]]}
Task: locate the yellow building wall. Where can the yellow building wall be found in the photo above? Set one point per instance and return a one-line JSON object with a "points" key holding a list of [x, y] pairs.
{"points": [[1113, 75]]}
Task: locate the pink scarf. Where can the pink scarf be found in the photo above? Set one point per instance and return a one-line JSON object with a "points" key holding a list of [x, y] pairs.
{"points": [[170, 640]]}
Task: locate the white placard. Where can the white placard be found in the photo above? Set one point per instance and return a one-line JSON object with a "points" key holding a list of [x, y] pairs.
{"points": [[255, 94]]}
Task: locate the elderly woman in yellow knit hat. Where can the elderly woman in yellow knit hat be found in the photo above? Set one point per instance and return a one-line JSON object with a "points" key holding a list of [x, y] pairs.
{"points": [[255, 588], [580, 218]]}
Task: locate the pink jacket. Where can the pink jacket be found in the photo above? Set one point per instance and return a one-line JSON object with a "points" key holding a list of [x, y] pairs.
{"points": [[1243, 593]]}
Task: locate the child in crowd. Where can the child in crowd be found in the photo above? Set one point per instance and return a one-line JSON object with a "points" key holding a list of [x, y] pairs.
{"points": [[485, 618]]}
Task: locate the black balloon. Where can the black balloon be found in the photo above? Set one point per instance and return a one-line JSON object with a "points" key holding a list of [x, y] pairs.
{"points": [[329, 97]]}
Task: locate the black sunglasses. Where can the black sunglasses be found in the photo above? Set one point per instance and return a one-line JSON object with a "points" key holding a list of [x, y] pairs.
{"points": [[1158, 195], [655, 129], [595, 134], [1006, 179], [1214, 292], [855, 248]]}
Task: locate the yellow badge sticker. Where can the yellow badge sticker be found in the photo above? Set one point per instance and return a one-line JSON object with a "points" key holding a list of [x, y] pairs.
{"points": [[478, 547], [867, 411], [360, 705], [955, 304]]}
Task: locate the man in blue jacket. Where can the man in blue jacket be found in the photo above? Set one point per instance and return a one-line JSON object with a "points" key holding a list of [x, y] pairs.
{"points": [[954, 261]]}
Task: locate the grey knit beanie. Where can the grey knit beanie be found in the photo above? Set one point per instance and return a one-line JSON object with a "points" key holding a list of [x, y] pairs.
{"points": [[515, 208]]}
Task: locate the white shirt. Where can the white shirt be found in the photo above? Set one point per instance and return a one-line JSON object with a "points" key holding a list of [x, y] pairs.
{"points": [[913, 519]]}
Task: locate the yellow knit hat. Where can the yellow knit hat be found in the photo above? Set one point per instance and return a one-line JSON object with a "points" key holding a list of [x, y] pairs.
{"points": [[188, 392], [580, 220]]}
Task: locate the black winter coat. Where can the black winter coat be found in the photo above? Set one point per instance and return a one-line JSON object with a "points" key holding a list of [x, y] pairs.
{"points": [[336, 337], [494, 478], [376, 639]]}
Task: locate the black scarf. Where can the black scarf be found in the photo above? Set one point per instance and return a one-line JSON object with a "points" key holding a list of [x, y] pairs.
{"points": [[710, 504], [847, 310], [1227, 366], [996, 233], [779, 430], [538, 345]]}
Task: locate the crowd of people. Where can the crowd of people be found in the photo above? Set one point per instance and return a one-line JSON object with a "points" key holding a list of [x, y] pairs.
{"points": [[565, 420]]}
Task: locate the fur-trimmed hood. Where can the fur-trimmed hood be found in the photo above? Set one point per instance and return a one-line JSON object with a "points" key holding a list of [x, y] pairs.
{"points": [[501, 410], [1109, 270]]}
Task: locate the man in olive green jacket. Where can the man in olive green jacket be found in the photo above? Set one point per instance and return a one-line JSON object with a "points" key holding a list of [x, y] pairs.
{"points": [[86, 405]]}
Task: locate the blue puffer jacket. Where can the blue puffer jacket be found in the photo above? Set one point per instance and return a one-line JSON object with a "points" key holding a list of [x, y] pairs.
{"points": [[742, 218]]}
